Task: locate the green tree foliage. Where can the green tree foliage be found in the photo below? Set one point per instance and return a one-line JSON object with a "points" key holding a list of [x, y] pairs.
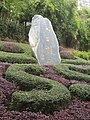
{"points": [[67, 19], [84, 29], [63, 15], [3, 10], [70, 24]]}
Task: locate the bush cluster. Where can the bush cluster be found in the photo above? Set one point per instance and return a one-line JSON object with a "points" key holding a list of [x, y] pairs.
{"points": [[3, 29], [12, 30], [35, 70], [77, 61], [82, 54], [65, 71], [26, 55], [85, 70], [37, 93], [81, 90]]}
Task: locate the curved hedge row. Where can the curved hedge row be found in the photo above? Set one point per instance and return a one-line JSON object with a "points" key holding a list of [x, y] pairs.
{"points": [[77, 61], [82, 54], [85, 70], [26, 55], [81, 90], [66, 71], [37, 93]]}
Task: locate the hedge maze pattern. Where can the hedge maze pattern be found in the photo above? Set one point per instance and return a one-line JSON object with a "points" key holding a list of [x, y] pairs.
{"points": [[37, 93]]}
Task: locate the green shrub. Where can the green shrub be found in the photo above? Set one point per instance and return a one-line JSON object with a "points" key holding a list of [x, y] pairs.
{"points": [[3, 29], [82, 54], [80, 90], [12, 30], [65, 71], [26, 55], [85, 70], [16, 31], [77, 61], [35, 70], [37, 93]]}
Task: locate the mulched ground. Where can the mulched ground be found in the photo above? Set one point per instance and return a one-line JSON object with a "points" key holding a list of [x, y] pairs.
{"points": [[77, 109]]}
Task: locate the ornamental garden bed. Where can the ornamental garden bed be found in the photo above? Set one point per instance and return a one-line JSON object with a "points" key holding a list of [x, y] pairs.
{"points": [[16, 53], [34, 92]]}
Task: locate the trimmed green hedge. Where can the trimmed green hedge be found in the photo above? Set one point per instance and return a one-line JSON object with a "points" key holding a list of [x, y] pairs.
{"points": [[65, 71], [80, 90], [77, 61], [37, 93], [81, 69], [82, 54], [27, 56]]}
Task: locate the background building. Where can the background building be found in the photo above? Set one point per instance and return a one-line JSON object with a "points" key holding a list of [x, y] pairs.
{"points": [[82, 3]]}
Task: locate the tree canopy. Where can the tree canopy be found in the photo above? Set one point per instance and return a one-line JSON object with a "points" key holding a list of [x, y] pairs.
{"points": [[70, 24]]}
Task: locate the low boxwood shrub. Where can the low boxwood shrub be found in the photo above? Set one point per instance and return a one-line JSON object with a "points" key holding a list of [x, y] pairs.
{"points": [[85, 70], [77, 61], [80, 90], [26, 54], [82, 54], [37, 93], [35, 70], [65, 71]]}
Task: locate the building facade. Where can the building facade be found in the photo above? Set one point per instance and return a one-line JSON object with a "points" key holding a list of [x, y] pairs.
{"points": [[83, 3]]}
